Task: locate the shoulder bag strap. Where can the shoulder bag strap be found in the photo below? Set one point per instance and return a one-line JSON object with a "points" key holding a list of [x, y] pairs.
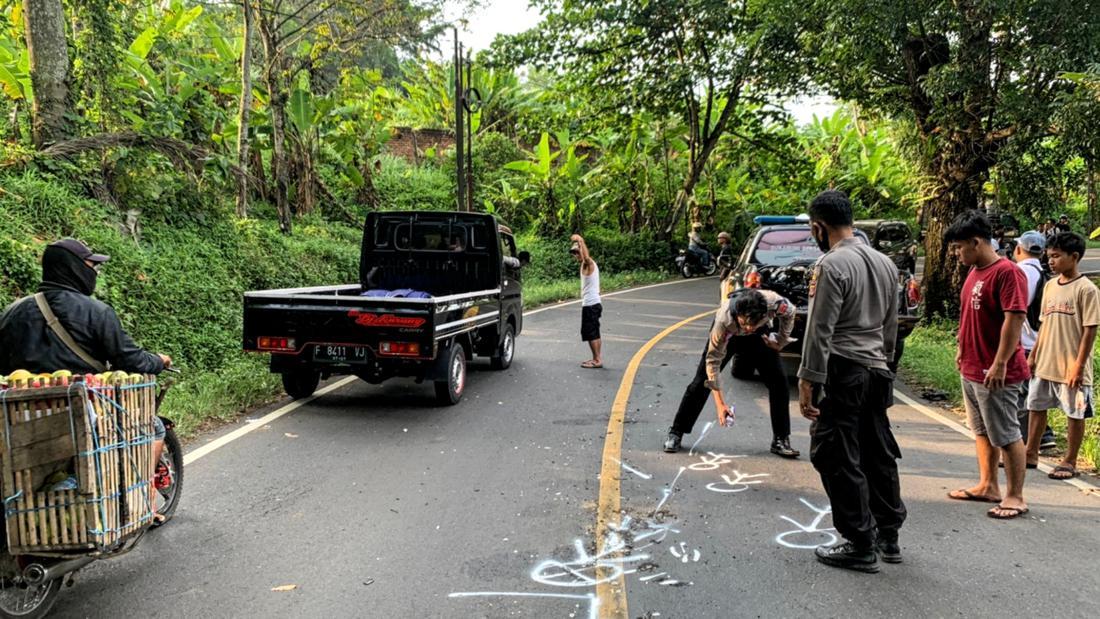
{"points": [[55, 325]]}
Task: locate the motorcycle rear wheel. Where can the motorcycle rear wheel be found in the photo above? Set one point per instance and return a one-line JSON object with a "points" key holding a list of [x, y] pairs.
{"points": [[168, 498], [20, 601]]}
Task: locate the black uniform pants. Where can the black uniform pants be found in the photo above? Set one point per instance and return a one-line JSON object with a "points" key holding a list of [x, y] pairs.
{"points": [[767, 362], [853, 449]]}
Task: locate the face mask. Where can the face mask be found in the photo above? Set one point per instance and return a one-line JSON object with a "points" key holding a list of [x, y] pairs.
{"points": [[821, 236]]}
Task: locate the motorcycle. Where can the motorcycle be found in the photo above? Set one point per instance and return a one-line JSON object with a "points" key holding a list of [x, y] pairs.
{"points": [[29, 584], [689, 265]]}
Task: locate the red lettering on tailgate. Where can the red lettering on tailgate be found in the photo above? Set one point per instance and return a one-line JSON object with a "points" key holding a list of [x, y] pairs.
{"points": [[367, 319]]}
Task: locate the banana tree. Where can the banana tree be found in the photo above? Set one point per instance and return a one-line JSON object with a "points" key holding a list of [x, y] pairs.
{"points": [[542, 177]]}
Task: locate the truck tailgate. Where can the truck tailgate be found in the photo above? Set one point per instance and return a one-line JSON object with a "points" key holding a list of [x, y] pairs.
{"points": [[309, 323]]}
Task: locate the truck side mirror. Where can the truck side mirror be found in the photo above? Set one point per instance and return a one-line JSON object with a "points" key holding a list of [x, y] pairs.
{"points": [[524, 258]]}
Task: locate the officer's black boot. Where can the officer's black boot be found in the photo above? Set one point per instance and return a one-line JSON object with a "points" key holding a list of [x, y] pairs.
{"points": [[849, 557], [886, 545], [781, 446], [672, 443]]}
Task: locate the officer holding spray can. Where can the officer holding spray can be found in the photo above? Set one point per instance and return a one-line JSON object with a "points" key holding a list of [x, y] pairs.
{"points": [[756, 323]]}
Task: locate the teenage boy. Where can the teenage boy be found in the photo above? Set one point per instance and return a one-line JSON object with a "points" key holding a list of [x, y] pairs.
{"points": [[1029, 250], [991, 361], [1062, 360]]}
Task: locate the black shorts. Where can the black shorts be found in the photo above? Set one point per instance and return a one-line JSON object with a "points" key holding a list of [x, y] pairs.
{"points": [[590, 322]]}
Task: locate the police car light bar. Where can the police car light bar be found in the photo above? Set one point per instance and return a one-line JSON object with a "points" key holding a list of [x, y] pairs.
{"points": [[771, 220]]}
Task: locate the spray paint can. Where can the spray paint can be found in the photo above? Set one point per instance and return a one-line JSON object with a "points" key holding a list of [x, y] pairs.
{"points": [[730, 416]]}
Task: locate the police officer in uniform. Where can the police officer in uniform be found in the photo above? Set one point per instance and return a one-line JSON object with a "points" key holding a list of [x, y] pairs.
{"points": [[751, 322], [845, 388]]}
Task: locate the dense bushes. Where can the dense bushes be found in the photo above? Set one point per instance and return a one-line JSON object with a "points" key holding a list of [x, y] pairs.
{"points": [[614, 252], [179, 289]]}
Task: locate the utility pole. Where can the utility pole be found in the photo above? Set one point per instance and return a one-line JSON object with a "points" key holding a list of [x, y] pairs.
{"points": [[460, 126]]}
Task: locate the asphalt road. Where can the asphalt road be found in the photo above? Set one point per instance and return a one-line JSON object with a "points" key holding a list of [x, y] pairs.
{"points": [[373, 502]]}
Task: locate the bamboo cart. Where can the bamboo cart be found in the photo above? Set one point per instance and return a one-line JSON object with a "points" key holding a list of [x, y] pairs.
{"points": [[98, 433]]}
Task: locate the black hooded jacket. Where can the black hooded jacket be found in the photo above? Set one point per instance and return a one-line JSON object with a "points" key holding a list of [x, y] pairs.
{"points": [[27, 343]]}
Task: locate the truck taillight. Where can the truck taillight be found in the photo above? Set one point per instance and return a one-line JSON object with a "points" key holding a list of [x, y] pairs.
{"points": [[276, 344], [399, 349], [912, 293], [752, 279]]}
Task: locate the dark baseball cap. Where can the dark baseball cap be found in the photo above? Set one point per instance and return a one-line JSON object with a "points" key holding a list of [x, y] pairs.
{"points": [[80, 250]]}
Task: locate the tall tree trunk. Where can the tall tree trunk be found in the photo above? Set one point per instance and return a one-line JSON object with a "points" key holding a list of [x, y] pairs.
{"points": [[44, 22], [959, 177], [699, 157], [243, 113], [367, 194], [256, 169], [1094, 197], [277, 100]]}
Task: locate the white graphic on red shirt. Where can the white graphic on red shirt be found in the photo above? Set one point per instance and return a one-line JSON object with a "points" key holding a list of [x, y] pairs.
{"points": [[976, 294]]}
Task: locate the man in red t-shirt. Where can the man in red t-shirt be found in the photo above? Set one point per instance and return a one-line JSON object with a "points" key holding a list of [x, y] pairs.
{"points": [[991, 361]]}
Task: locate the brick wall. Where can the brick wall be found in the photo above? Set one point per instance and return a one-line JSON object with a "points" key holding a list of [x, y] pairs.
{"points": [[410, 144]]}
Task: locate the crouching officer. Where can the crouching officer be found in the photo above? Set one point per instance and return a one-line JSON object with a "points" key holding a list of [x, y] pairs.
{"points": [[845, 388], [751, 322]]}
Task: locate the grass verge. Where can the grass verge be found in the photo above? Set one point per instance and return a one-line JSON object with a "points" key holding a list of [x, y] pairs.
{"points": [[929, 361], [538, 293], [244, 382]]}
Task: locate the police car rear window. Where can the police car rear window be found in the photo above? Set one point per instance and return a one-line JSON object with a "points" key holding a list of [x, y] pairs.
{"points": [[783, 247]]}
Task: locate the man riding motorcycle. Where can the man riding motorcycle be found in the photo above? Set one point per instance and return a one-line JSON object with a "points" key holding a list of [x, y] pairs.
{"points": [[97, 340], [697, 246]]}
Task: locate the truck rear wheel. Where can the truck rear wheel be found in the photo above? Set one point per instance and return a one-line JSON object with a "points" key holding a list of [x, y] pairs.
{"points": [[300, 383], [449, 391], [502, 358]]}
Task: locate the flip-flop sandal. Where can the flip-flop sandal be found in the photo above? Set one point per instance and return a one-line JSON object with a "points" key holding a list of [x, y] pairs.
{"points": [[1012, 512], [1063, 469], [970, 496], [588, 365]]}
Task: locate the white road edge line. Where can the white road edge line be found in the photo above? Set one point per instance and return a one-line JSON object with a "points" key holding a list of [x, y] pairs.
{"points": [[254, 424], [1084, 486]]}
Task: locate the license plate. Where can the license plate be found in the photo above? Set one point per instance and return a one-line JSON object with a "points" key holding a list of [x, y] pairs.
{"points": [[340, 353]]}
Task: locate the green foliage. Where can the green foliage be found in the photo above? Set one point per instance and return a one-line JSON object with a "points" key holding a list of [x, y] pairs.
{"points": [[403, 186], [613, 251], [179, 290]]}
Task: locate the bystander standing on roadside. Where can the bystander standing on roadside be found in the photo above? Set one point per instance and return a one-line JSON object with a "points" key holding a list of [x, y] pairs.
{"points": [[851, 331], [991, 362], [1029, 249], [591, 305], [1062, 359]]}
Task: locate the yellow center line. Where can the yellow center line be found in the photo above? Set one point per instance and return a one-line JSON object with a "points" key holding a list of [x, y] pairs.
{"points": [[611, 592]]}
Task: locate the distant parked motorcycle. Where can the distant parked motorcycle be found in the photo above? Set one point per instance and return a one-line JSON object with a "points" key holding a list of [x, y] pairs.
{"points": [[689, 265]]}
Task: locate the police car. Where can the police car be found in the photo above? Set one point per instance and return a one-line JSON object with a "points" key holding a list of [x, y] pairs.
{"points": [[780, 256]]}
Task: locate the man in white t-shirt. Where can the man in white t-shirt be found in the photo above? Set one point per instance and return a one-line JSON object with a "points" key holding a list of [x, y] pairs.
{"points": [[1029, 249]]}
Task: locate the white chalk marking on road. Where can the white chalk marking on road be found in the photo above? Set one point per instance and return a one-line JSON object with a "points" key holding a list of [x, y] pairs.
{"points": [[1084, 486], [256, 424], [668, 491], [810, 528], [632, 469], [702, 435]]}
